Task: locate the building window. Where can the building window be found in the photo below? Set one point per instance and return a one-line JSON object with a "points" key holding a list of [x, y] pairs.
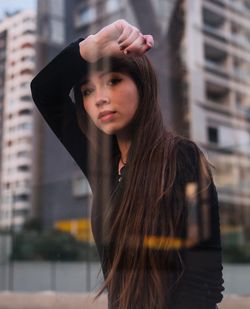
{"points": [[6, 199], [27, 19], [213, 135], [217, 93], [26, 71], [9, 143], [31, 58], [27, 45], [25, 126], [112, 6], [86, 16], [29, 31], [25, 85], [25, 112], [25, 98], [20, 212], [56, 8], [23, 154], [244, 173], [27, 140], [23, 168], [57, 31]]}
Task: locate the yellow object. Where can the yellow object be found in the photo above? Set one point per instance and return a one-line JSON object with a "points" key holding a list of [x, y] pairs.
{"points": [[166, 243], [80, 228]]}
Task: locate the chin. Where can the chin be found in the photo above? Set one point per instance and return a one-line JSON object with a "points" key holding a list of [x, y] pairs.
{"points": [[114, 130], [110, 131]]}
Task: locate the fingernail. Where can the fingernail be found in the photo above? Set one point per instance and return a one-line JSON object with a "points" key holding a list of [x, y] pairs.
{"points": [[125, 52]]}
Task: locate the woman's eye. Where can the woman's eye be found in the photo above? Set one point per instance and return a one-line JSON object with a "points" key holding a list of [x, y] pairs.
{"points": [[86, 92], [114, 81]]}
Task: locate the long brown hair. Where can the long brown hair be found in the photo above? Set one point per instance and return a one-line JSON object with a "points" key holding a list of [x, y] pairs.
{"points": [[152, 205]]}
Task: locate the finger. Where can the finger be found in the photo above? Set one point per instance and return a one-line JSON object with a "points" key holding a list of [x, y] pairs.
{"points": [[149, 40], [131, 38], [146, 48], [127, 34], [138, 46]]}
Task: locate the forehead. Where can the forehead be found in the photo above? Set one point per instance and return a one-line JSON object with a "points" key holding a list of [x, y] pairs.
{"points": [[96, 76]]}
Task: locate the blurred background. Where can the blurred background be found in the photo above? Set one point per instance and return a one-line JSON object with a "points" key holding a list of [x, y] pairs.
{"points": [[202, 60]]}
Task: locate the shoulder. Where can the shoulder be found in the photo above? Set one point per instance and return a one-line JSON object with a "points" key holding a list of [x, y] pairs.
{"points": [[191, 162], [187, 149]]}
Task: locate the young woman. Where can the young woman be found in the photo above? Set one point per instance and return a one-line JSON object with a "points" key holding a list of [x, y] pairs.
{"points": [[155, 211]]}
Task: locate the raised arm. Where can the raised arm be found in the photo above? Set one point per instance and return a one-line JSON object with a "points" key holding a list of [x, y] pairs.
{"points": [[50, 91]]}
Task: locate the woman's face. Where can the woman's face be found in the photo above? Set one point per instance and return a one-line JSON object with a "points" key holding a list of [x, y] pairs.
{"points": [[111, 100]]}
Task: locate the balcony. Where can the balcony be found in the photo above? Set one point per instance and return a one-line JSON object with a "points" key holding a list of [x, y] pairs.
{"points": [[22, 161], [214, 53], [18, 176], [22, 146], [220, 34], [216, 59], [242, 7], [240, 40], [236, 38], [213, 19], [25, 91], [217, 94]]}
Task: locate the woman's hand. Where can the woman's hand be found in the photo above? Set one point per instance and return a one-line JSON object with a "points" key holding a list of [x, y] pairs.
{"points": [[115, 39]]}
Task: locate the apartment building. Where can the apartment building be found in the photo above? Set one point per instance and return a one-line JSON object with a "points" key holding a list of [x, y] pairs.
{"points": [[17, 65], [215, 49]]}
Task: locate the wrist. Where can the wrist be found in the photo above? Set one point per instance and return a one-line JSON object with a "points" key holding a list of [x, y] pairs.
{"points": [[89, 48]]}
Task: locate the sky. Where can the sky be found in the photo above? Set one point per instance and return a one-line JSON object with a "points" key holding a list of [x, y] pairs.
{"points": [[13, 5]]}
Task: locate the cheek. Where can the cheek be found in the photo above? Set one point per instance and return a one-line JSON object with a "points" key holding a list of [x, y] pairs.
{"points": [[132, 101], [88, 109], [128, 92]]}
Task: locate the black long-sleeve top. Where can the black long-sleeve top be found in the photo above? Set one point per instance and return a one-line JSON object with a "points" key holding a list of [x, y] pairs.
{"points": [[200, 287]]}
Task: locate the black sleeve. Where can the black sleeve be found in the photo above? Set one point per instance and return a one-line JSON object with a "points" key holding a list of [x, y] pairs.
{"points": [[50, 91], [201, 284]]}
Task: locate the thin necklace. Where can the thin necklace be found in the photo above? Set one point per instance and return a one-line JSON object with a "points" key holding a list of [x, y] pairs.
{"points": [[121, 170], [124, 163]]}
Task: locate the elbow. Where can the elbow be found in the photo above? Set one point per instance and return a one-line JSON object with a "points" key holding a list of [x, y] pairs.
{"points": [[38, 89], [34, 86], [33, 89]]}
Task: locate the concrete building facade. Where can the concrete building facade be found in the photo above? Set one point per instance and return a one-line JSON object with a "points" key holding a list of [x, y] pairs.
{"points": [[17, 65], [215, 50]]}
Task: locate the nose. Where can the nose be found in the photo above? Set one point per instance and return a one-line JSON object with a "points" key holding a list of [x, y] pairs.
{"points": [[101, 98]]}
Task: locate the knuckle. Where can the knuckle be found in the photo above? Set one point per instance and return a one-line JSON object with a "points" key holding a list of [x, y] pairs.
{"points": [[122, 22], [137, 31]]}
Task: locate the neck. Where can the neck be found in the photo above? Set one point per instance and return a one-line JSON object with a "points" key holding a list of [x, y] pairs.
{"points": [[124, 145]]}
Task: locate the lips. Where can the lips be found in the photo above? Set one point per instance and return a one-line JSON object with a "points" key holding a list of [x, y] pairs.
{"points": [[105, 113]]}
